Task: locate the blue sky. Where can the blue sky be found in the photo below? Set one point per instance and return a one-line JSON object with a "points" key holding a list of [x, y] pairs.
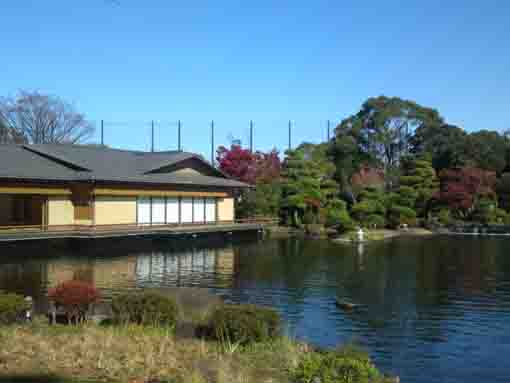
{"points": [[270, 61]]}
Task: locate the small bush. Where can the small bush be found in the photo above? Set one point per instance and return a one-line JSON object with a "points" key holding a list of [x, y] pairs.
{"points": [[445, 217], [401, 215], [75, 297], [374, 221], [145, 308], [244, 324], [12, 307], [335, 367], [338, 217]]}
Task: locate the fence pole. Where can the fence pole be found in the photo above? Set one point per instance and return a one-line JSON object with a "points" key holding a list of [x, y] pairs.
{"points": [[152, 136], [290, 135], [179, 147], [212, 143], [251, 136]]}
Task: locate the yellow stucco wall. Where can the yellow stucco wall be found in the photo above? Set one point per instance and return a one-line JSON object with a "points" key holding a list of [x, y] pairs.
{"points": [[225, 209], [115, 210], [5, 209], [60, 211]]}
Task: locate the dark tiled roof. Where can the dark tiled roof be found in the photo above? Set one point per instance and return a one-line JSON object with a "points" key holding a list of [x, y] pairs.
{"points": [[58, 162]]}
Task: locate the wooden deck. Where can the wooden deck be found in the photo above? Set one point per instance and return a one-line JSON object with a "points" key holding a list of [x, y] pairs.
{"points": [[28, 233]]}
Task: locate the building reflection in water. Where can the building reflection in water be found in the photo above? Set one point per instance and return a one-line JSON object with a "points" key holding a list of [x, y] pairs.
{"points": [[196, 267], [193, 267]]}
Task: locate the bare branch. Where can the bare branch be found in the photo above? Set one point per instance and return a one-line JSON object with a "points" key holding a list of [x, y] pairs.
{"points": [[41, 118]]}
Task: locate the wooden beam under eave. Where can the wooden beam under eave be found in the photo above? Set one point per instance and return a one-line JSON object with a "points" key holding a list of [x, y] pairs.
{"points": [[34, 190], [156, 193]]}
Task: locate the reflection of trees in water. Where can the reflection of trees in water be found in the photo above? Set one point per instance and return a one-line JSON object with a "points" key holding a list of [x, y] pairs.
{"points": [[466, 266], [23, 278]]}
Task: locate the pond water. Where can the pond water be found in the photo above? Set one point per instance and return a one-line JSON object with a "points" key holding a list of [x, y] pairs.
{"points": [[432, 309]]}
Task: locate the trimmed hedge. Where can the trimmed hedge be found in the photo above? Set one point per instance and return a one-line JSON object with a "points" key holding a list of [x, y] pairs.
{"points": [[145, 308], [12, 307], [244, 324], [336, 367]]}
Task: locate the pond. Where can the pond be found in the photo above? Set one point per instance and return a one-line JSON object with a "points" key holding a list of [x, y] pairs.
{"points": [[432, 309]]}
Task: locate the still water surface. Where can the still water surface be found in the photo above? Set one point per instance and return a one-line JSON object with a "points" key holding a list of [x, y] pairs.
{"points": [[433, 309]]}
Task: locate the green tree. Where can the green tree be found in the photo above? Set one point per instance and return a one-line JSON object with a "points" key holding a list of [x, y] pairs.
{"points": [[446, 145], [337, 216], [348, 156], [503, 191], [419, 179], [371, 208], [380, 132], [487, 150], [486, 211], [307, 183]]}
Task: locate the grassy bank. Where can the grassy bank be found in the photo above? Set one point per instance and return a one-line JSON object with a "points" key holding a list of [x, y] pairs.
{"points": [[139, 354]]}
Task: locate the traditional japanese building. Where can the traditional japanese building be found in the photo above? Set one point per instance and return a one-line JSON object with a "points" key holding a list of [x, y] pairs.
{"points": [[56, 185]]}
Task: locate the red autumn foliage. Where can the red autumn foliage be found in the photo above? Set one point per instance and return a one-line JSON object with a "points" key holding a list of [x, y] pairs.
{"points": [[74, 294], [248, 167], [368, 176], [268, 166], [460, 188]]}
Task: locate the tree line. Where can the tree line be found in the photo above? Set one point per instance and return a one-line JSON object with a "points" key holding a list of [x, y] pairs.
{"points": [[394, 162]]}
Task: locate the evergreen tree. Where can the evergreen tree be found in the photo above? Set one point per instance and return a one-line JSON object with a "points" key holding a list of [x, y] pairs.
{"points": [[371, 210], [307, 183], [419, 181]]}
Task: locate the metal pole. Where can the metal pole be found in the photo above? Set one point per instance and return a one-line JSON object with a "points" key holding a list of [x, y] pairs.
{"points": [[152, 136], [102, 133], [251, 136], [290, 129], [179, 135], [212, 143], [328, 131]]}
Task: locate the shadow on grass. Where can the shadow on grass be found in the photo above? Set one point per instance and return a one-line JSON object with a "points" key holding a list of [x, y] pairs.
{"points": [[37, 379], [54, 379]]}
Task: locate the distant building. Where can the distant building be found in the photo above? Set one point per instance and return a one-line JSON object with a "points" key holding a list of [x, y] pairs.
{"points": [[62, 185]]}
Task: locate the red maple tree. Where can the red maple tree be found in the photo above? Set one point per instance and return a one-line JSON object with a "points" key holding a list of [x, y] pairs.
{"points": [[248, 167], [462, 187], [74, 297]]}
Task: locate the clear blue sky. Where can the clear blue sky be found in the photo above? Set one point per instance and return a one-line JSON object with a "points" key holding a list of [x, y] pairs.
{"points": [[269, 61]]}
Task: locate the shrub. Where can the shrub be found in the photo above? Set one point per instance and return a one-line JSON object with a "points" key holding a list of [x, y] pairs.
{"points": [[335, 367], [12, 307], [399, 215], [338, 217], [374, 221], [445, 217], [75, 297], [145, 308], [244, 324]]}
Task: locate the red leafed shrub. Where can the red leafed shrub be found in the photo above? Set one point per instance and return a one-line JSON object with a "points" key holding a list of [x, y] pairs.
{"points": [[75, 297], [249, 167], [460, 188], [238, 163]]}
